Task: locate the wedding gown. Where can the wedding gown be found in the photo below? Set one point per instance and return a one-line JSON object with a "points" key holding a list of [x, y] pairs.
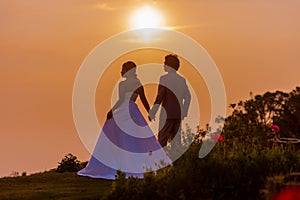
{"points": [[126, 143]]}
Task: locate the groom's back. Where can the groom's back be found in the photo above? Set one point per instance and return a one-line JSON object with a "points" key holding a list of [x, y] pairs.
{"points": [[176, 83], [174, 95]]}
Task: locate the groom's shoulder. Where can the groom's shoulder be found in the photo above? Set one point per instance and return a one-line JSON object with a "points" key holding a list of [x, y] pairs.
{"points": [[163, 77], [180, 76], [172, 76]]}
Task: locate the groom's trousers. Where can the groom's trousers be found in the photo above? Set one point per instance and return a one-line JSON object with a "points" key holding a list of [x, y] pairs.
{"points": [[170, 129]]}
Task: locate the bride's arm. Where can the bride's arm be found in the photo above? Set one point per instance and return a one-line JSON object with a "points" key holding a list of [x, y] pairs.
{"points": [[144, 100]]}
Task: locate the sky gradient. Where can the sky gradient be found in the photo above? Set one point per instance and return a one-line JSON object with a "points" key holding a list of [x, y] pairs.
{"points": [[255, 44]]}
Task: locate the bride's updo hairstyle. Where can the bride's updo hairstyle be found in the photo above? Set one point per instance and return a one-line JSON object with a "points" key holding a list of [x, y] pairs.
{"points": [[128, 69]]}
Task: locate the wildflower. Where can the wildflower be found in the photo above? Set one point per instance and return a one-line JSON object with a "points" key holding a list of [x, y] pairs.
{"points": [[287, 194], [217, 137], [220, 139], [275, 128]]}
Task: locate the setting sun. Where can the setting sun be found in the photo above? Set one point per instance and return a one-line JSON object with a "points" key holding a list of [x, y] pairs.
{"points": [[146, 17]]}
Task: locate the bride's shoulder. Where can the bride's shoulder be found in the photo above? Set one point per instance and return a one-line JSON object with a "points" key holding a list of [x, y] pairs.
{"points": [[122, 83], [133, 81], [129, 84], [138, 83]]}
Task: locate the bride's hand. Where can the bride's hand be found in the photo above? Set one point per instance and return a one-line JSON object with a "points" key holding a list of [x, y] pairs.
{"points": [[151, 117]]}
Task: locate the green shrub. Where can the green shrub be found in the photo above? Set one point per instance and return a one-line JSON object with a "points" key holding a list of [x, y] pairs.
{"points": [[238, 167], [68, 164], [226, 173]]}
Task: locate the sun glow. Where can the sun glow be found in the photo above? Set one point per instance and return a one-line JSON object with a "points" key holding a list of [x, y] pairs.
{"points": [[146, 17]]}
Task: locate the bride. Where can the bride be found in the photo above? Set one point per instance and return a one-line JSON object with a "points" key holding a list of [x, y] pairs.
{"points": [[126, 142]]}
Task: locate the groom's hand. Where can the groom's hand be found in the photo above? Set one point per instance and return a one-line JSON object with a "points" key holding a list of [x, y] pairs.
{"points": [[151, 117]]}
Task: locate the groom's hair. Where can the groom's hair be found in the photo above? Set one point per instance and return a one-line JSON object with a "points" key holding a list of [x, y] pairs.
{"points": [[172, 60]]}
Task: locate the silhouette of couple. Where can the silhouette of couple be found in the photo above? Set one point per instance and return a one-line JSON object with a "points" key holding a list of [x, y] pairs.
{"points": [[126, 142]]}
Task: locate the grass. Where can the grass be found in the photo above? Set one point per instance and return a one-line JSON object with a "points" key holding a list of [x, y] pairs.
{"points": [[53, 185]]}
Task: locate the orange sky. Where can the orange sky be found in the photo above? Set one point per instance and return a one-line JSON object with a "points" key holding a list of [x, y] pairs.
{"points": [[255, 44]]}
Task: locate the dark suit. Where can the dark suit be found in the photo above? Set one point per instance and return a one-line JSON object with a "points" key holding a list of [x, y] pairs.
{"points": [[174, 96]]}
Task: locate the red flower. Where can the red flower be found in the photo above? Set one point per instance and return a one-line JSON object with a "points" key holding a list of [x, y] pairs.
{"points": [[275, 128], [216, 137], [220, 139], [287, 194]]}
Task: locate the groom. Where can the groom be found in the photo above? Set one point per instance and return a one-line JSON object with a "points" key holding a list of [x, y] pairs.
{"points": [[174, 96]]}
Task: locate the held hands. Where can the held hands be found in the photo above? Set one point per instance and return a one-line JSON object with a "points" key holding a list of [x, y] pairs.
{"points": [[151, 115], [152, 112]]}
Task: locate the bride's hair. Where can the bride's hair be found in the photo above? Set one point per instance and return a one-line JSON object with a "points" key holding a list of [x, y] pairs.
{"points": [[128, 69]]}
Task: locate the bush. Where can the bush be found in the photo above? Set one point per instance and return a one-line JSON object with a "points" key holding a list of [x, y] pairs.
{"points": [[243, 166], [226, 173], [68, 164]]}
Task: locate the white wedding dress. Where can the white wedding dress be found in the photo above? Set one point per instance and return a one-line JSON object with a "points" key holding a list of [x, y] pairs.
{"points": [[126, 143]]}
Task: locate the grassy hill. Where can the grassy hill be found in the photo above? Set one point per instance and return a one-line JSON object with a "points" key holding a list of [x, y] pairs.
{"points": [[53, 185]]}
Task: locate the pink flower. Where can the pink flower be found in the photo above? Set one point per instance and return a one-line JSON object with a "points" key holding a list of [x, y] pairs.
{"points": [[275, 128]]}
